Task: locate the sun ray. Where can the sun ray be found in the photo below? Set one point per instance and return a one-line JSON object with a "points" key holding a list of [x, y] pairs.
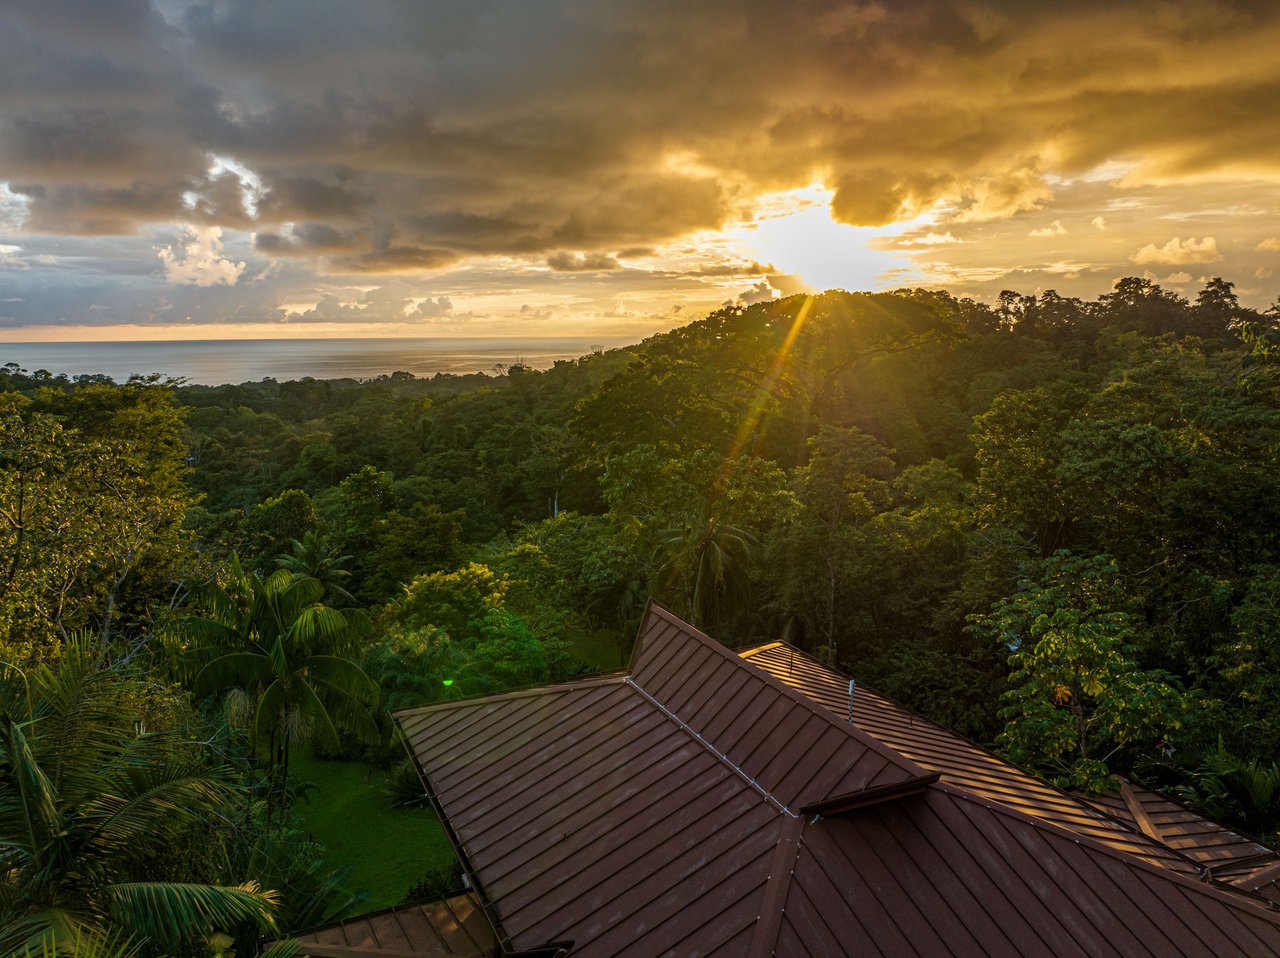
{"points": [[751, 420]]}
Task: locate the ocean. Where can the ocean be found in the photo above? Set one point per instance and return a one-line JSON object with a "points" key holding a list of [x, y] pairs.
{"points": [[216, 362]]}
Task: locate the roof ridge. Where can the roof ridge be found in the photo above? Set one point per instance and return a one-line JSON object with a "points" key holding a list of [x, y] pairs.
{"points": [[905, 764], [764, 938]]}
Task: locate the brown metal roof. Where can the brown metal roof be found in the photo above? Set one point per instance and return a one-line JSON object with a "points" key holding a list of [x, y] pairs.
{"points": [[1228, 856], [707, 805], [586, 813], [959, 760], [946, 873], [753, 721], [454, 927]]}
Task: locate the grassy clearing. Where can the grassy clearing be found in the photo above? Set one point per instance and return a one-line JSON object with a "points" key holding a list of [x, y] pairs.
{"points": [[389, 849]]}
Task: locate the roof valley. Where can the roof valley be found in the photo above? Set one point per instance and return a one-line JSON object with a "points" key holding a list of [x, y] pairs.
{"points": [[764, 938]]}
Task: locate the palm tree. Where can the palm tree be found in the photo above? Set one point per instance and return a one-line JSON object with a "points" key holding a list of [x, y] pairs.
{"points": [[277, 642], [707, 560], [88, 805], [313, 558]]}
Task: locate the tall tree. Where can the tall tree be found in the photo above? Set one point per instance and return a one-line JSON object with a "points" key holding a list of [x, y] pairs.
{"points": [[1078, 696]]}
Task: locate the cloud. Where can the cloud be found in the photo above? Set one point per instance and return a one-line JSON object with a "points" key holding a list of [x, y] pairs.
{"points": [[1053, 229], [1270, 245], [503, 142], [530, 312], [199, 260], [563, 262], [931, 238], [761, 292], [468, 131], [1180, 252], [430, 308], [13, 209]]}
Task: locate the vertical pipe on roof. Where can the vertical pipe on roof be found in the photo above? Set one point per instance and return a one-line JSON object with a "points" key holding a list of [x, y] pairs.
{"points": [[852, 685]]}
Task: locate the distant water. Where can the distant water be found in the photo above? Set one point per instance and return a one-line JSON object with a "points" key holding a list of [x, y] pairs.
{"points": [[216, 362]]}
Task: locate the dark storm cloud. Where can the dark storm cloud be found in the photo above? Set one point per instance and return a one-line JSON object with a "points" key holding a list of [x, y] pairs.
{"points": [[394, 137]]}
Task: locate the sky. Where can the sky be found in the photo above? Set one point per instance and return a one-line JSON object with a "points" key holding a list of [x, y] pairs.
{"points": [[201, 169]]}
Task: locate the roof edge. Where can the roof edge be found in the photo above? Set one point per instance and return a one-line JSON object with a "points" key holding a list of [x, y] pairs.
{"points": [[569, 685], [1130, 827], [500, 935]]}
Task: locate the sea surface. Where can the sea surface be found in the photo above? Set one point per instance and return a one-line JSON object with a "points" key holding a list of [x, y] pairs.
{"points": [[216, 362]]}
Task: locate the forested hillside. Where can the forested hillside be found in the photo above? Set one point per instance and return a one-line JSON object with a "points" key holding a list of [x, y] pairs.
{"points": [[1050, 524]]}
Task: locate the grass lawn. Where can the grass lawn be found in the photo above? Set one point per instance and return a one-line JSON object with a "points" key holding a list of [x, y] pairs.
{"points": [[390, 849]]}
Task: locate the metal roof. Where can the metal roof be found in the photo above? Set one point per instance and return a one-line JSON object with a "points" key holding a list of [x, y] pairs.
{"points": [[1132, 819], [453, 927], [1226, 855], [711, 803]]}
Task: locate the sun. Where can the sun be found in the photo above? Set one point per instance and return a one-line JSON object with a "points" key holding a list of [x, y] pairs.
{"points": [[793, 231]]}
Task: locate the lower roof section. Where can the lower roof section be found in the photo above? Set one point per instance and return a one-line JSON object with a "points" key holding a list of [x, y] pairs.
{"points": [[438, 929]]}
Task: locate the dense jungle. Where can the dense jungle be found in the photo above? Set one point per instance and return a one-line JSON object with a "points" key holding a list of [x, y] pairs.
{"points": [[1050, 524]]}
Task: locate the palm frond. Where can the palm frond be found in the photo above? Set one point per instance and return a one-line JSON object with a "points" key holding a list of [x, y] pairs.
{"points": [[322, 722], [287, 948], [270, 709], [33, 813], [234, 669], [210, 633], [318, 627], [47, 931], [173, 911], [345, 675], [84, 943], [150, 799], [348, 713]]}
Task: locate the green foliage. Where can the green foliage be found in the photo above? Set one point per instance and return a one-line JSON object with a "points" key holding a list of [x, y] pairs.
{"points": [[313, 557], [272, 525], [276, 643], [451, 635], [443, 881], [404, 788], [1249, 664], [91, 507], [90, 803], [1077, 695], [857, 473], [1235, 791]]}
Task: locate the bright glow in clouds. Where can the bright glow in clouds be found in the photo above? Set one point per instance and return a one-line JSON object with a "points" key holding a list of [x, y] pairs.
{"points": [[200, 261], [13, 208], [794, 233], [250, 184]]}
